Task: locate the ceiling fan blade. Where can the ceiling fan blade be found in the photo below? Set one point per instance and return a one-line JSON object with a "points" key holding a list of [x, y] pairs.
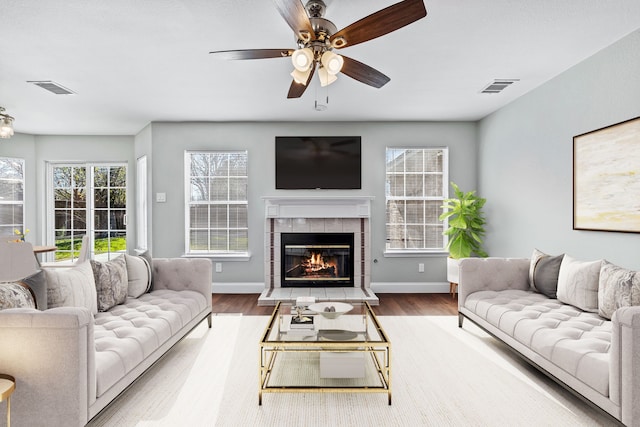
{"points": [[381, 22], [363, 73], [253, 53], [296, 16], [296, 90]]}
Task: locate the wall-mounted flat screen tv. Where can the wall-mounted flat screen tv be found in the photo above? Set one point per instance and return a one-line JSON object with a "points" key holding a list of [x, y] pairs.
{"points": [[318, 162]]}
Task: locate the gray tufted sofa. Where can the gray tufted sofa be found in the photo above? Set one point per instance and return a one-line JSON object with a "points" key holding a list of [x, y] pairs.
{"points": [[69, 364], [596, 358]]}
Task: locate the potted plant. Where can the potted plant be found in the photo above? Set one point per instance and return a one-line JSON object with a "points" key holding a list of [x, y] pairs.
{"points": [[466, 228]]}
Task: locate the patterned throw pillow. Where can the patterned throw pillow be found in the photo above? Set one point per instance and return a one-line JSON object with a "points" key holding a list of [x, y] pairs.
{"points": [[618, 287], [15, 295], [543, 272], [578, 283], [111, 282], [71, 287]]}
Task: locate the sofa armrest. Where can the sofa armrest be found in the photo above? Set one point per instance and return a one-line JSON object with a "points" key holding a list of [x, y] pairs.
{"points": [[179, 274], [51, 355], [492, 274], [624, 366]]}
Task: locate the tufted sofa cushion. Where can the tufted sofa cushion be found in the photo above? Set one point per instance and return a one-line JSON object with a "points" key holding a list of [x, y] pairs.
{"points": [[575, 341], [130, 332]]}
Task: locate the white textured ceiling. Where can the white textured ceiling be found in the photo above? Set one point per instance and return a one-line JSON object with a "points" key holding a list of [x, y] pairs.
{"points": [[132, 62]]}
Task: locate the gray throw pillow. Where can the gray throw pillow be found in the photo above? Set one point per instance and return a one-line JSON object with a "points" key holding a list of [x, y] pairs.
{"points": [[15, 295], [111, 282], [38, 285], [618, 287], [138, 275], [578, 283], [543, 273], [71, 287]]}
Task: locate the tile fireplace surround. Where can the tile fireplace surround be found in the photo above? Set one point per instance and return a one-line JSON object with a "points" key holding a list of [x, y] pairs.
{"points": [[317, 215]]}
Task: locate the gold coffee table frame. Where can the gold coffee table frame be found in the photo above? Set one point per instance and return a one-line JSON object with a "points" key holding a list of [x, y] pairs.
{"points": [[372, 340]]}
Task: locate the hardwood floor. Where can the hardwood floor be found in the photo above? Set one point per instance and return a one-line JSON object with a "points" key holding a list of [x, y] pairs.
{"points": [[390, 305]]}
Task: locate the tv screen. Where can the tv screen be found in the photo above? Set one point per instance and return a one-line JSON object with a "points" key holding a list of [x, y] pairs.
{"points": [[318, 162]]}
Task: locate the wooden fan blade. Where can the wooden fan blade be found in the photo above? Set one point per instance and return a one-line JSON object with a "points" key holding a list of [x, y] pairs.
{"points": [[380, 23], [363, 73], [296, 90], [296, 16], [252, 53]]}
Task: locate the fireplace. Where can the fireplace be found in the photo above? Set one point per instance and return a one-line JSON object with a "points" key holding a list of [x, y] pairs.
{"points": [[317, 259]]}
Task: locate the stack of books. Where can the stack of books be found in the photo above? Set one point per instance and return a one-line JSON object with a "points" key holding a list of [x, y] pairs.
{"points": [[302, 322]]}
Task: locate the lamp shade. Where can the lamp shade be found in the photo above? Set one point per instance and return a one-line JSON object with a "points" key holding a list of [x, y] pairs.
{"points": [[301, 77], [302, 59], [332, 62], [325, 77]]}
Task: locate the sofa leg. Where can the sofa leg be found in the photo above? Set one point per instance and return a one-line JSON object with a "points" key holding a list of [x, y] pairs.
{"points": [[209, 320], [460, 319]]}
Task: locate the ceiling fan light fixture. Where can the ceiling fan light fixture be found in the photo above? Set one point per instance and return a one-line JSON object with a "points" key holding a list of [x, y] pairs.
{"points": [[302, 59], [332, 62], [6, 125], [326, 78], [301, 77]]}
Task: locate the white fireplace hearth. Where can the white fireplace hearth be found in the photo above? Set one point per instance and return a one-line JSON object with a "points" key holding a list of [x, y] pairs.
{"points": [[318, 215]]}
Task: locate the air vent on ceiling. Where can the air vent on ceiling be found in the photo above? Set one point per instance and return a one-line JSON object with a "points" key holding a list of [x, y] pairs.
{"points": [[498, 86], [52, 87]]}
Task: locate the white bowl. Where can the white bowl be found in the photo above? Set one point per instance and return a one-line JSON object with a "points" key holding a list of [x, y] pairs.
{"points": [[340, 309]]}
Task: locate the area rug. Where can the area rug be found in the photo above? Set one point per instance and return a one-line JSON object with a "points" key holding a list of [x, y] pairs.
{"points": [[441, 376]]}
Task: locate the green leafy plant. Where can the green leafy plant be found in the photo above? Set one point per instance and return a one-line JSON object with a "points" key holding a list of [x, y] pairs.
{"points": [[466, 224]]}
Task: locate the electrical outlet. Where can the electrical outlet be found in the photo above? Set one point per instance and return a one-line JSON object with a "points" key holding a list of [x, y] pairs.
{"points": [[218, 267], [421, 267]]}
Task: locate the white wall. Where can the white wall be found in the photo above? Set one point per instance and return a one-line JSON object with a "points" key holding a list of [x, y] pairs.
{"points": [[526, 154]]}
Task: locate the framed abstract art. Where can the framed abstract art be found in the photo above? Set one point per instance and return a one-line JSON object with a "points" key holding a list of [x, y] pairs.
{"points": [[606, 178]]}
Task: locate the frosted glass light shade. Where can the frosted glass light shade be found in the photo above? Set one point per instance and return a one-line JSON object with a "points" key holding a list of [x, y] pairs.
{"points": [[300, 77], [332, 62], [6, 128], [302, 59], [326, 78]]}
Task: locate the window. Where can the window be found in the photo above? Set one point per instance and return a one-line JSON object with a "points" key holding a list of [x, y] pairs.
{"points": [[88, 198], [11, 196], [416, 181], [217, 207]]}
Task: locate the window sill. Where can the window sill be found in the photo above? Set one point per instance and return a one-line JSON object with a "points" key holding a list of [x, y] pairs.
{"points": [[240, 256], [415, 254]]}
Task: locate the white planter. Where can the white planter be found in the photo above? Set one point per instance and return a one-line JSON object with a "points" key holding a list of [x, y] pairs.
{"points": [[453, 270]]}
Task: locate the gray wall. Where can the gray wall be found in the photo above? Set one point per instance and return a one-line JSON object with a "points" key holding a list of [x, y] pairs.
{"points": [[23, 146], [170, 140], [526, 153], [39, 149]]}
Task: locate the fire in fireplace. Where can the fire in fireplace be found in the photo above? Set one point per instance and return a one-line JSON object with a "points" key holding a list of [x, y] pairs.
{"points": [[316, 259]]}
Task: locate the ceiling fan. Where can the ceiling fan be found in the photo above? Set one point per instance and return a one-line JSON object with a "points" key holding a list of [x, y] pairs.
{"points": [[317, 37]]}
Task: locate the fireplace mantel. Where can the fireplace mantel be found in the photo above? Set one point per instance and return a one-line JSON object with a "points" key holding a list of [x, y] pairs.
{"points": [[318, 207]]}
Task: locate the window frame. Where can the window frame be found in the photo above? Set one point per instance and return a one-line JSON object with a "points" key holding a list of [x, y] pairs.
{"points": [[418, 252], [90, 222], [21, 202], [227, 255]]}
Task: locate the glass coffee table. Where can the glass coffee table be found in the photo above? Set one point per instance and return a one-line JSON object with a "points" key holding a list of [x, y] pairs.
{"points": [[348, 353]]}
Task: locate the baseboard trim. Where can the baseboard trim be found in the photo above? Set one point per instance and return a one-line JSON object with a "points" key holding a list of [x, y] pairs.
{"points": [[377, 287], [237, 288], [410, 287]]}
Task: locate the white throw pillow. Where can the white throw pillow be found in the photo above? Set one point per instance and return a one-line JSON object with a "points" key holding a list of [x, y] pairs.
{"points": [[578, 283], [138, 275], [72, 287]]}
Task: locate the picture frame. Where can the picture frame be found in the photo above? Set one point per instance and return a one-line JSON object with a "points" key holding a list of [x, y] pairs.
{"points": [[606, 178]]}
